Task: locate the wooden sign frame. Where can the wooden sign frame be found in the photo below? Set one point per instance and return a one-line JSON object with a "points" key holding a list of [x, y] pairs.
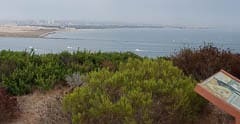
{"points": [[217, 101]]}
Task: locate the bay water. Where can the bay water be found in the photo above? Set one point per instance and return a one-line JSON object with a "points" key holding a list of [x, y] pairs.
{"points": [[151, 42]]}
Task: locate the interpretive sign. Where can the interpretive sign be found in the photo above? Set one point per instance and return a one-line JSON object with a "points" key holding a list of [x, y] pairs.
{"points": [[223, 90]]}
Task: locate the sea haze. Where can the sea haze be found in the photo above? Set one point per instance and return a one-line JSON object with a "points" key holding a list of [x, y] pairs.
{"points": [[142, 41]]}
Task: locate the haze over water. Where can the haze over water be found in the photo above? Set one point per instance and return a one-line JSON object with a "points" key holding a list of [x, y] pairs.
{"points": [[142, 41]]}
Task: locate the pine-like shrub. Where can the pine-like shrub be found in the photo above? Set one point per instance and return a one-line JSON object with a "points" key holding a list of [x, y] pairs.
{"points": [[141, 91], [207, 60]]}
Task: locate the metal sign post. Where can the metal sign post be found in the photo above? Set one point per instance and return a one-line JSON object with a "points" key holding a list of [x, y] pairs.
{"points": [[223, 90]]}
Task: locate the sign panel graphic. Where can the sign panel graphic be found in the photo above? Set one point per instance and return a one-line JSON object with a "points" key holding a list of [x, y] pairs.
{"points": [[224, 87]]}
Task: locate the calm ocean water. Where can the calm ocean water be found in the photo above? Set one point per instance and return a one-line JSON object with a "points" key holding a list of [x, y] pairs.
{"points": [[144, 42]]}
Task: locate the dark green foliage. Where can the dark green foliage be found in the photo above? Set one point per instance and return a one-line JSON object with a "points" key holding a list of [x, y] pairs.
{"points": [[139, 92], [9, 61], [207, 60], [21, 72], [87, 61], [20, 81]]}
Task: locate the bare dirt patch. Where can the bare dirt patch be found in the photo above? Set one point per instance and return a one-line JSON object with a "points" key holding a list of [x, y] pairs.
{"points": [[212, 115], [42, 108]]}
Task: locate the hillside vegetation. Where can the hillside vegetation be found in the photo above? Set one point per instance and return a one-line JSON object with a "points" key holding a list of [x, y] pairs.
{"points": [[22, 72], [206, 60], [141, 91], [115, 87]]}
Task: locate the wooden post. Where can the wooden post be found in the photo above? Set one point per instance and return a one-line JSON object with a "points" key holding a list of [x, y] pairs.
{"points": [[237, 120]]}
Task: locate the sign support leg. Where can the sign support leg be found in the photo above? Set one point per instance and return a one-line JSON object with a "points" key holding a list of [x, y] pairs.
{"points": [[237, 120]]}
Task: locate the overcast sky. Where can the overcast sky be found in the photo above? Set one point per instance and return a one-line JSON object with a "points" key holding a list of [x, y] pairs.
{"points": [[172, 12]]}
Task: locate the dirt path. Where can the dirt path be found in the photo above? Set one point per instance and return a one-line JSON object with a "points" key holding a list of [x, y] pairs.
{"points": [[42, 108]]}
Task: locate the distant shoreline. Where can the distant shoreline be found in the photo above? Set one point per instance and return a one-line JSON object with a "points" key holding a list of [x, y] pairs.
{"points": [[25, 31], [96, 26], [41, 31]]}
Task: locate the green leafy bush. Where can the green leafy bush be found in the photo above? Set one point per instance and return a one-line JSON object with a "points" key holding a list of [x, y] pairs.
{"points": [[9, 61], [207, 60], [139, 92], [20, 81], [22, 72]]}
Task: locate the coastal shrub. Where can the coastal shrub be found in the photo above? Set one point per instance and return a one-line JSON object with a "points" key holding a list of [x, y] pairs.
{"points": [[139, 92], [74, 80], [207, 60], [109, 64], [22, 72], [43, 77], [9, 61], [8, 106], [20, 81], [86, 61], [49, 74]]}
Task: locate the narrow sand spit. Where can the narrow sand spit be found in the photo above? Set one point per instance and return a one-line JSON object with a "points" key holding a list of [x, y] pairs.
{"points": [[24, 31]]}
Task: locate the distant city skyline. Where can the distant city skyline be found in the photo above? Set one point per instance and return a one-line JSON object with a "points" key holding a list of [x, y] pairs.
{"points": [[223, 13]]}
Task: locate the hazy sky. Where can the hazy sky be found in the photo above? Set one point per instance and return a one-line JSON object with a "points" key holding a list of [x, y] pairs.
{"points": [[174, 12]]}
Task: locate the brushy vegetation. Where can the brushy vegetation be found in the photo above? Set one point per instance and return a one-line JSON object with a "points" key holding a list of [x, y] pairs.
{"points": [[207, 60], [22, 72], [117, 87], [139, 92], [8, 106]]}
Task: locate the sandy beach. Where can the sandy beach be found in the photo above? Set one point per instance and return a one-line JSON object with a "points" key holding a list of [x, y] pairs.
{"points": [[25, 31]]}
